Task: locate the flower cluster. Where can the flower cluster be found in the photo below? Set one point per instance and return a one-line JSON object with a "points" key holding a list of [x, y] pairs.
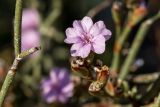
{"points": [[30, 34], [86, 37], [58, 87]]}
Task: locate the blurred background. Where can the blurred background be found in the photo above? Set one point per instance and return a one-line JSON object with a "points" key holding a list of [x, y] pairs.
{"points": [[49, 20]]}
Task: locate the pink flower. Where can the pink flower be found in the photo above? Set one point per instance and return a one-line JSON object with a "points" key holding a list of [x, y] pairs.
{"points": [[30, 19], [30, 33], [30, 39], [86, 37]]}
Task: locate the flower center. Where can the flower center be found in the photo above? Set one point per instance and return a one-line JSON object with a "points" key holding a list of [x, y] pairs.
{"points": [[88, 38]]}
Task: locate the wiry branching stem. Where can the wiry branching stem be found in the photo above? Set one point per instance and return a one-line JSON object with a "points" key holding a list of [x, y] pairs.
{"points": [[11, 73], [18, 54]]}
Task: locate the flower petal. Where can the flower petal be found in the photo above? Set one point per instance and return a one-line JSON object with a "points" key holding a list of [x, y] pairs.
{"points": [[68, 88], [75, 47], [53, 77], [99, 28], [98, 46], [84, 51], [71, 32], [71, 40], [46, 86], [106, 33], [62, 98], [50, 99], [78, 26], [87, 23]]}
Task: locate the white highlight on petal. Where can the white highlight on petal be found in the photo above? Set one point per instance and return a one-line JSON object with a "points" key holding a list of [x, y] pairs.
{"points": [[61, 75], [68, 88], [87, 23], [99, 44], [84, 51], [53, 77]]}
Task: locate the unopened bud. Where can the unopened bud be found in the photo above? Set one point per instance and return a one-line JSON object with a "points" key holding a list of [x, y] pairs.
{"points": [[80, 67]]}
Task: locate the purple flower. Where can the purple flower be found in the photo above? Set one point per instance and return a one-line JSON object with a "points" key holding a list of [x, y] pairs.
{"points": [[30, 19], [58, 87], [86, 37]]}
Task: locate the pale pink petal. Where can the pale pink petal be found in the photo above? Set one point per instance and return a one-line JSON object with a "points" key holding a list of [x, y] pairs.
{"points": [[71, 40], [106, 33], [71, 32], [87, 23], [30, 19], [97, 27], [78, 26], [84, 51], [75, 47], [98, 46], [30, 38]]}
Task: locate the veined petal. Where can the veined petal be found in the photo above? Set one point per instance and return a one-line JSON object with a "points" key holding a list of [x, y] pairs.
{"points": [[98, 46], [75, 47], [71, 40], [71, 32], [97, 27], [84, 51], [78, 26], [87, 23], [106, 33]]}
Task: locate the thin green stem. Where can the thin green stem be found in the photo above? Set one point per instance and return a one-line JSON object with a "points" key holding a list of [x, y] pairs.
{"points": [[17, 26], [136, 45], [6, 85], [118, 31]]}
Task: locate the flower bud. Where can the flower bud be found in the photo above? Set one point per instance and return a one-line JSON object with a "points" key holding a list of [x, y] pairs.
{"points": [[137, 14], [96, 88], [80, 67]]}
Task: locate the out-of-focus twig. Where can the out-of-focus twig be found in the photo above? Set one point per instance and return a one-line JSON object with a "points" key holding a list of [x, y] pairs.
{"points": [[11, 73], [99, 8], [157, 102], [118, 46], [134, 17], [116, 15], [144, 78], [46, 28], [151, 92], [55, 12], [136, 45]]}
